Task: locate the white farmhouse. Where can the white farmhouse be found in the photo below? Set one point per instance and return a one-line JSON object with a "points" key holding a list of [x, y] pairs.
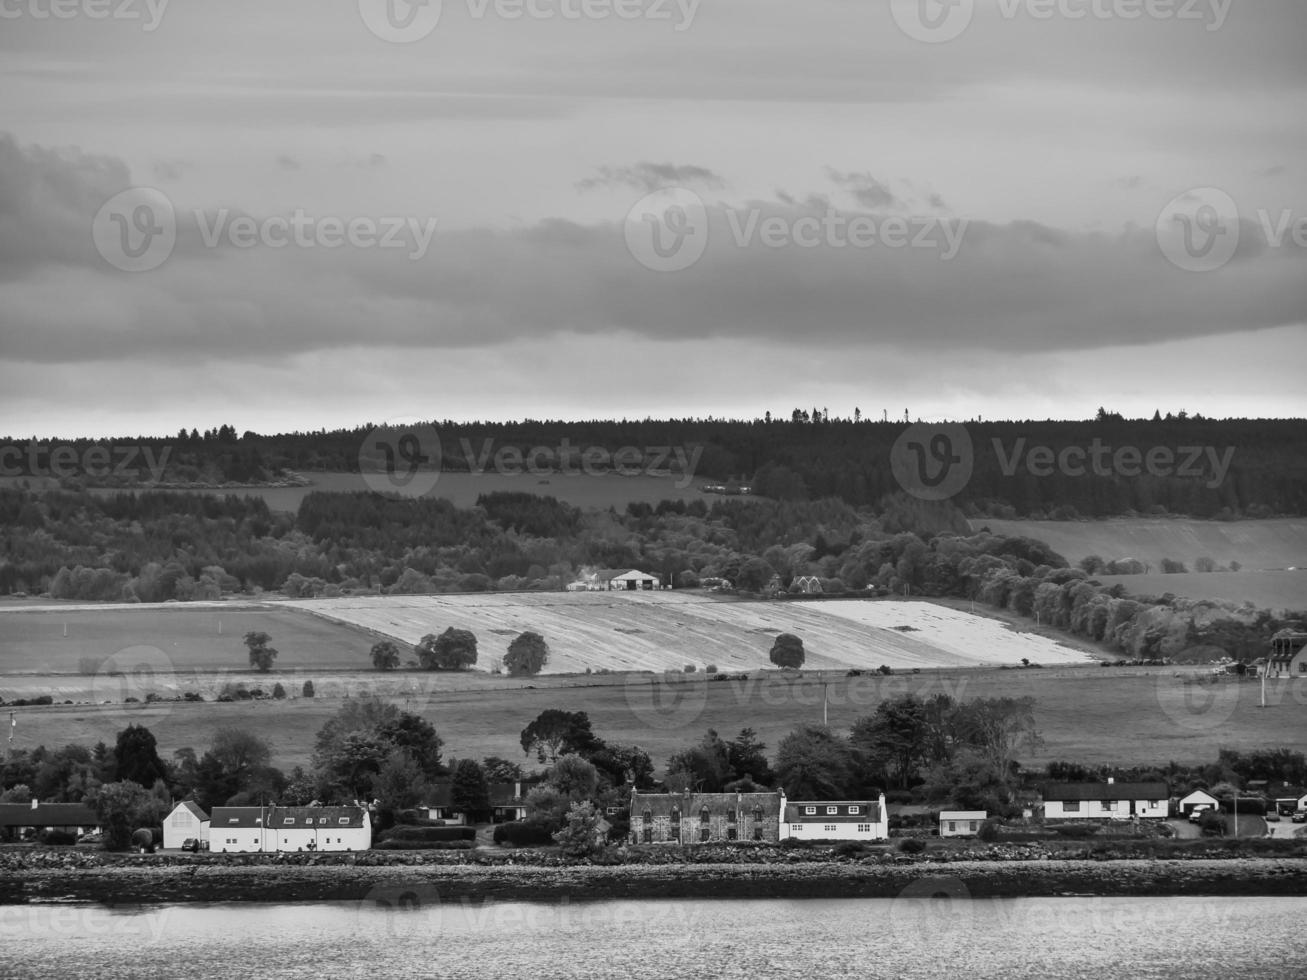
{"points": [[834, 819], [961, 823], [1106, 801], [186, 822], [290, 828]]}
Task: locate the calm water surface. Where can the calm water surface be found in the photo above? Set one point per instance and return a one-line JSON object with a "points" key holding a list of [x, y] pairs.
{"points": [[400, 933]]}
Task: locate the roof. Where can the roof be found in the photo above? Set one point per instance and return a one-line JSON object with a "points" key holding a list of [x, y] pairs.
{"points": [[608, 574], [48, 815], [1106, 791], [964, 815], [195, 810], [1198, 792], [286, 817], [505, 794], [662, 804], [868, 811]]}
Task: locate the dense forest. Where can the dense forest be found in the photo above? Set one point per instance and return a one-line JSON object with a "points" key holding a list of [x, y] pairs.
{"points": [[1210, 468], [153, 547]]}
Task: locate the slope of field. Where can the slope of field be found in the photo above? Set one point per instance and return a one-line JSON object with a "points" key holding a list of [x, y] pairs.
{"points": [[666, 630], [1277, 591], [69, 640], [1254, 544], [1114, 716]]}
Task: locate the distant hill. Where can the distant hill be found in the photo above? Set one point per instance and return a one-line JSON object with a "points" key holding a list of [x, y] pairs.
{"points": [[1255, 545]]}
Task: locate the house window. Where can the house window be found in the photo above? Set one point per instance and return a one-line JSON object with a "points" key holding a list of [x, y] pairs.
{"points": [[831, 828], [855, 809], [757, 832], [810, 810], [1109, 804], [973, 826], [832, 810], [648, 834], [703, 833], [703, 816], [647, 817], [864, 828], [798, 827], [289, 820], [1071, 806], [952, 826], [731, 816], [731, 833], [343, 820]]}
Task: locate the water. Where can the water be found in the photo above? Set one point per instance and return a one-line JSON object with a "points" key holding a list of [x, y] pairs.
{"points": [[402, 933]]}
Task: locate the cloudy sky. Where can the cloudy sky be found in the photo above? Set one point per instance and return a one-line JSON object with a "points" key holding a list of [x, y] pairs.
{"points": [[294, 214]]}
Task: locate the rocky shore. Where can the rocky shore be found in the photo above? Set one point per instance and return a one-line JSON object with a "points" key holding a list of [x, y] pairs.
{"points": [[182, 880]]}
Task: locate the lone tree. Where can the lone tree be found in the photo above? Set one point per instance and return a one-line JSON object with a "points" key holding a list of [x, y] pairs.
{"points": [[527, 654], [261, 654], [469, 791], [453, 649], [787, 651], [385, 655], [307, 691]]}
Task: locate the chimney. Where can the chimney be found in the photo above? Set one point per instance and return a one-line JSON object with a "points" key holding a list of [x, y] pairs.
{"points": [[1111, 780], [35, 802]]}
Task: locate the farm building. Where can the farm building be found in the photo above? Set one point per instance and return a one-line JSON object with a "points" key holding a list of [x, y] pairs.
{"points": [[1288, 656], [290, 828], [19, 820], [961, 823], [1105, 801], [835, 820], [186, 822], [1198, 797], [688, 818], [628, 580], [806, 584]]}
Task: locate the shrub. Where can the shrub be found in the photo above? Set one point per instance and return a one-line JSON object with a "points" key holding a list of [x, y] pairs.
{"points": [[278, 691], [1076, 831], [419, 834], [308, 689], [519, 833], [690, 668], [988, 830], [56, 837], [912, 845], [850, 849], [710, 669]]}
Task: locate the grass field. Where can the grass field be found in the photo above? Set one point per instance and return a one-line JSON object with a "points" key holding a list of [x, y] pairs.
{"points": [[1265, 590], [462, 489], [668, 630], [1109, 715], [1257, 545]]}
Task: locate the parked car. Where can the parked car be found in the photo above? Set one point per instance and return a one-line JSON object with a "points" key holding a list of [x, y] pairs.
{"points": [[1197, 812], [194, 845], [1272, 816], [1299, 817]]}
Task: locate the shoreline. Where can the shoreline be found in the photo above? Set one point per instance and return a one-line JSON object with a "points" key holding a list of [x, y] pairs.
{"points": [[147, 885]]}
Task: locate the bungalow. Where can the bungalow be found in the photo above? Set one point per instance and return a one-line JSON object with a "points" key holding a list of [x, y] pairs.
{"points": [[19, 820], [1197, 798], [440, 805], [508, 800], [835, 820], [290, 828], [688, 818], [186, 822], [961, 823], [1105, 801]]}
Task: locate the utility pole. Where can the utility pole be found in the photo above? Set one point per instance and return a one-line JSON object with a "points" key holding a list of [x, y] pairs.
{"points": [[825, 699]]}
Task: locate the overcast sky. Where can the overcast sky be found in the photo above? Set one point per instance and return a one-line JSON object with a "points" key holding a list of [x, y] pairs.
{"points": [[967, 210]]}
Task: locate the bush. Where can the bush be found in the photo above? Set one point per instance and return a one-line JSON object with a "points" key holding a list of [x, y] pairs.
{"points": [[988, 830], [519, 833], [900, 796], [690, 668], [415, 833], [710, 669], [912, 845], [56, 837], [1076, 831], [850, 849]]}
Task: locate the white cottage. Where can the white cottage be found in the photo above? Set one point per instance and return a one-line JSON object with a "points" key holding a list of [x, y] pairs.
{"points": [[834, 819], [628, 580], [290, 828], [1106, 801], [186, 822]]}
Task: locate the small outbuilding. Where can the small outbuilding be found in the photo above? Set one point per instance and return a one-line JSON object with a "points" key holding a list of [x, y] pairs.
{"points": [[1199, 797], [961, 823], [187, 821]]}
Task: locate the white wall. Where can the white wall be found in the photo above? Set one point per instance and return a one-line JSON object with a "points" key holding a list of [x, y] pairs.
{"points": [[833, 831], [180, 825]]}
